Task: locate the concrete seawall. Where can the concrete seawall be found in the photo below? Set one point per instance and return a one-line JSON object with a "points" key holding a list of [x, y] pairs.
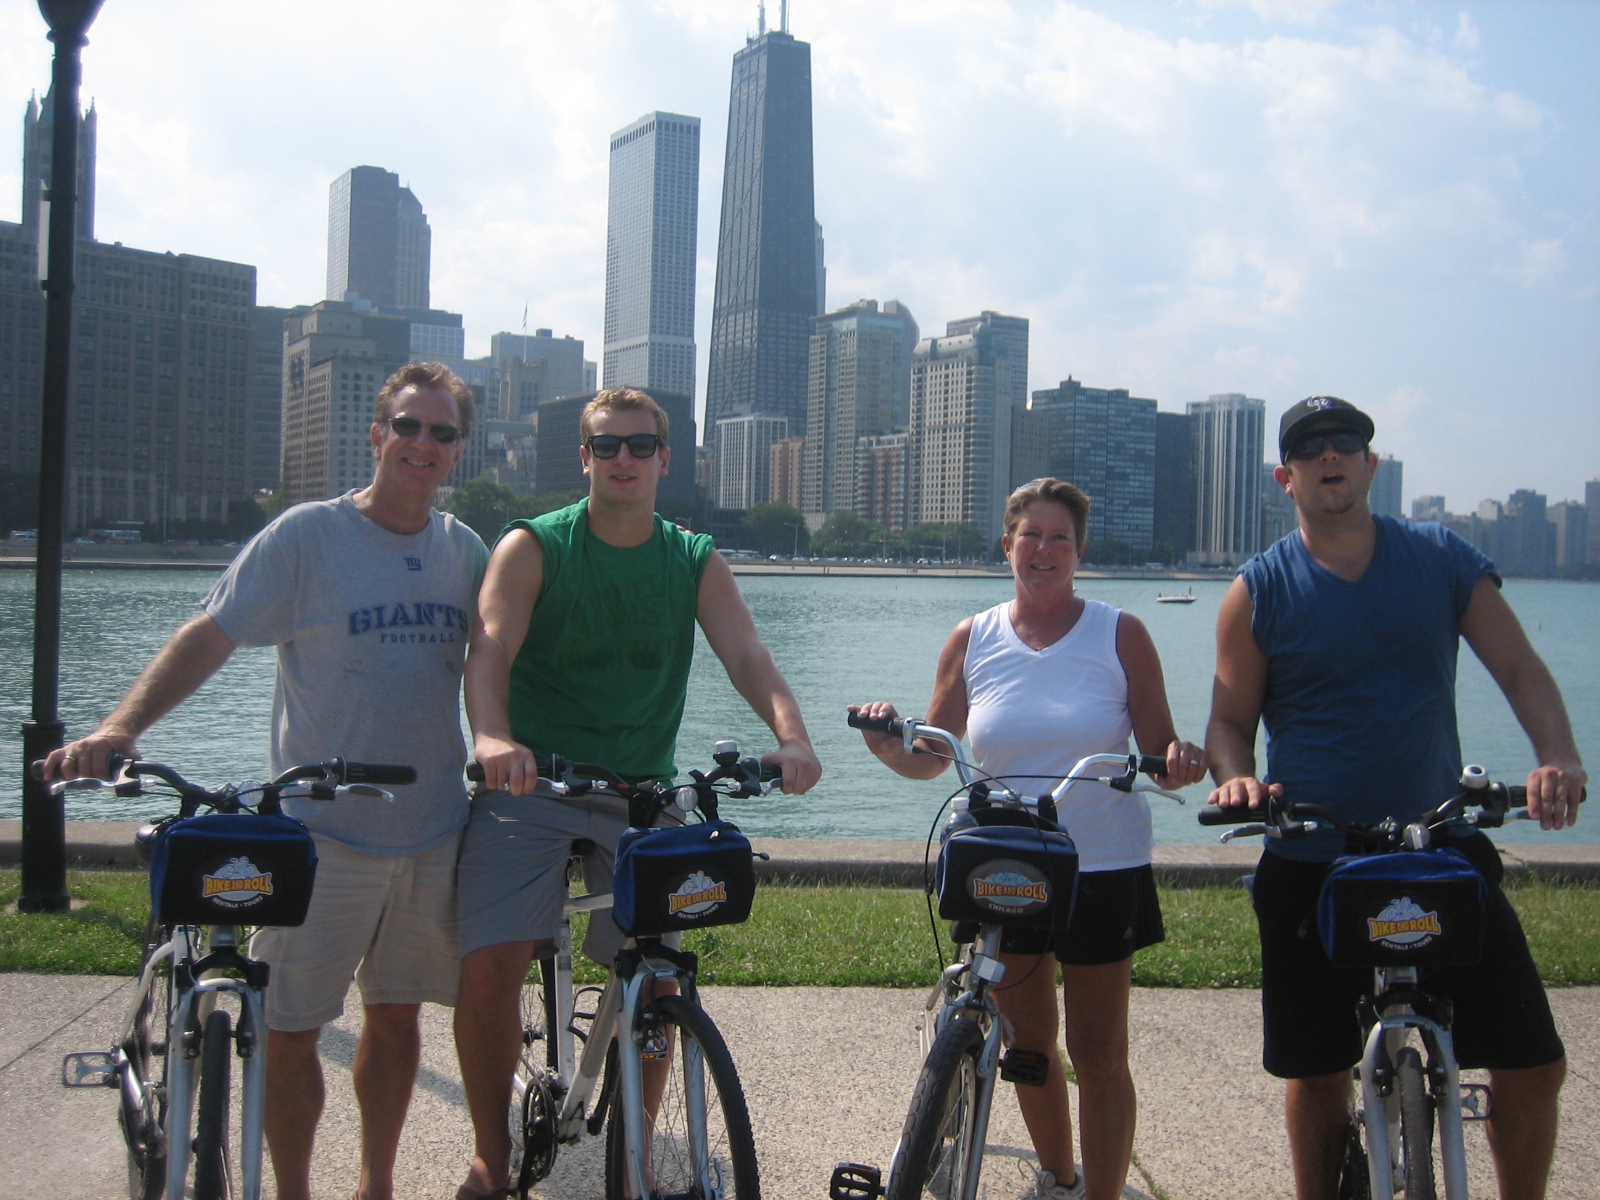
{"points": [[101, 845]]}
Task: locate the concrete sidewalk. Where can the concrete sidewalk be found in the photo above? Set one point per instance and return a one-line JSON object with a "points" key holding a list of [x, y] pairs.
{"points": [[103, 844], [828, 1072]]}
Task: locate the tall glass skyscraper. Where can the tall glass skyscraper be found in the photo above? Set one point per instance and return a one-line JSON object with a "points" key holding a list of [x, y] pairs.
{"points": [[379, 243], [766, 298], [650, 254], [1229, 433]]}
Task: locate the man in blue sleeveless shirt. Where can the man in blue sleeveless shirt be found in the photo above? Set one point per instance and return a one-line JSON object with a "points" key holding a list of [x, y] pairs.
{"points": [[1342, 638]]}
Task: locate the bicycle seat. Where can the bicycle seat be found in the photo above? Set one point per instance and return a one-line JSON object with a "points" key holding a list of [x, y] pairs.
{"points": [[145, 842], [582, 847]]}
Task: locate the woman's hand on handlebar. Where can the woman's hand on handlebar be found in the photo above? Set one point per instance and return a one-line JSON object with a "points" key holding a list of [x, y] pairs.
{"points": [[1554, 791], [801, 770], [88, 757], [884, 745], [1245, 790], [507, 766], [1186, 764]]}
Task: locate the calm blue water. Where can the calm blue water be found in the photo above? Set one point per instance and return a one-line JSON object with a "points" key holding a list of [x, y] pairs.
{"points": [[837, 640]]}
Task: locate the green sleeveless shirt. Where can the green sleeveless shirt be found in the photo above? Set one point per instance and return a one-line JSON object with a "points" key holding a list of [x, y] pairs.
{"points": [[603, 673]]}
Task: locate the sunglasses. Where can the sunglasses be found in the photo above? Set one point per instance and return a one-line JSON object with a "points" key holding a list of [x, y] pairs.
{"points": [[607, 445], [409, 427], [1343, 442]]}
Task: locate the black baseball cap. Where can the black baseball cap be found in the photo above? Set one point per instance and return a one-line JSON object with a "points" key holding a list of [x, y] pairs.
{"points": [[1326, 412]]}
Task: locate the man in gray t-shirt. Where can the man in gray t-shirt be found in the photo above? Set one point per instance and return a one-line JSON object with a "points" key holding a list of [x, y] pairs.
{"points": [[369, 599]]}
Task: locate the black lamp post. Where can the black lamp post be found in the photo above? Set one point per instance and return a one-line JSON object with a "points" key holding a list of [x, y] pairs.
{"points": [[44, 831]]}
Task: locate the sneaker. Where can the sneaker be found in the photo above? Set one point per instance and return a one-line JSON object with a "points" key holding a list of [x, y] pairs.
{"points": [[1045, 1187]]}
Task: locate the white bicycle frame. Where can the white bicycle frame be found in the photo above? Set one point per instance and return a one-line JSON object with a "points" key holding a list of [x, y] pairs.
{"points": [[191, 1003], [576, 1075], [984, 965], [1381, 1113]]}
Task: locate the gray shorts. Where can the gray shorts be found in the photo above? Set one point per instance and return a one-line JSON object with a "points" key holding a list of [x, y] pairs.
{"points": [[512, 877], [386, 921]]}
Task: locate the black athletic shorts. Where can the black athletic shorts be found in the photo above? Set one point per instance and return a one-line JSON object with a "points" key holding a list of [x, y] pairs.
{"points": [[1117, 913], [1308, 1006]]}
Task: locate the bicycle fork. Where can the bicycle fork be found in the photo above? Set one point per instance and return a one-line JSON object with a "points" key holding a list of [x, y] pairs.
{"points": [[1383, 1041]]}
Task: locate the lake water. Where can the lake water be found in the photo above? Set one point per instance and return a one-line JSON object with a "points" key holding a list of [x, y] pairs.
{"points": [[838, 640]]}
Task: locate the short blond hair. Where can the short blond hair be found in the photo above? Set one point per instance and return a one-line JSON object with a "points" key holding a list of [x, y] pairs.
{"points": [[427, 375], [1072, 499], [623, 400]]}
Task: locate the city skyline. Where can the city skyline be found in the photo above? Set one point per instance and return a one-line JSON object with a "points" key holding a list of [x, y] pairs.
{"points": [[1497, 262]]}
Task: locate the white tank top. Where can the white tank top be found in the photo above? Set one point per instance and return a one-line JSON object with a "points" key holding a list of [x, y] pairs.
{"points": [[1037, 712]]}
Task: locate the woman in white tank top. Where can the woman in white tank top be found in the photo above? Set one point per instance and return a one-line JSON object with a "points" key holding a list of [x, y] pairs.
{"points": [[1038, 683]]}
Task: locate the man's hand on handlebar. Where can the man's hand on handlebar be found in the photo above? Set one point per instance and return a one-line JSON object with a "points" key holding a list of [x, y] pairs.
{"points": [[88, 757], [1186, 764], [801, 770], [1554, 791], [1244, 790], [507, 766]]}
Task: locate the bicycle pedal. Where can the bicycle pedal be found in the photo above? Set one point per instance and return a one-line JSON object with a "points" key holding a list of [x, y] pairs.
{"points": [[87, 1069], [1027, 1067], [1477, 1102], [854, 1181]]}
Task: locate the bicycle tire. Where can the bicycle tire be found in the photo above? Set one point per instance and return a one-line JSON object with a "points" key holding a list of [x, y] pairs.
{"points": [[933, 1155], [1354, 1181], [142, 1087], [1416, 1125], [532, 1113], [211, 1112], [730, 1148]]}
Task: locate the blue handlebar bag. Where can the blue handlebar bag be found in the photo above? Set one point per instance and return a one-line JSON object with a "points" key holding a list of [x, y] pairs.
{"points": [[1019, 875], [1419, 908], [233, 869], [682, 877]]}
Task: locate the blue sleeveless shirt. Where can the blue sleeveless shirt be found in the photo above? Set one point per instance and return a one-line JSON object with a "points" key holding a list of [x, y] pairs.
{"points": [[1360, 704]]}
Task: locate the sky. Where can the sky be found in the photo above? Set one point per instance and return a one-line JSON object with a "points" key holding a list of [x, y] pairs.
{"points": [[1391, 202]]}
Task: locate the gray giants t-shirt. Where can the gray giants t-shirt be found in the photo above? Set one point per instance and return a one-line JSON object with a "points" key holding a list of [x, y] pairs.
{"points": [[371, 629]]}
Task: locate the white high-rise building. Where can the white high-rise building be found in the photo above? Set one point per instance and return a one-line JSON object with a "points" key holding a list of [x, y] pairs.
{"points": [[650, 254], [1228, 432], [744, 458], [963, 396]]}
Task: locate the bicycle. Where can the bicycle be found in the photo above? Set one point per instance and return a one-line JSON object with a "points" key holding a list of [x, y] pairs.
{"points": [[638, 1036], [1400, 904], [241, 863], [1014, 866]]}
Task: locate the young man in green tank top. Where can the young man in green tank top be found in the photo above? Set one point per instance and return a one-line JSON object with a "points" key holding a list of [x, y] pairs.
{"points": [[584, 635]]}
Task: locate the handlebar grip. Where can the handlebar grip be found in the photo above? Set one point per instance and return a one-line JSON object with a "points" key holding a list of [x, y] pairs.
{"points": [[875, 724], [770, 772], [355, 772], [36, 768], [475, 771], [1517, 794], [1153, 764], [1215, 814]]}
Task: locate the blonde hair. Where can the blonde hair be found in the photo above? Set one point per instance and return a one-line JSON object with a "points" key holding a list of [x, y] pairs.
{"points": [[1071, 498], [623, 400], [427, 375]]}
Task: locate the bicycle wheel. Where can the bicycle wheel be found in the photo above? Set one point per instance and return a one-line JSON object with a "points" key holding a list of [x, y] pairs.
{"points": [[532, 1115], [1416, 1125], [142, 1112], [211, 1119], [709, 1158], [934, 1149]]}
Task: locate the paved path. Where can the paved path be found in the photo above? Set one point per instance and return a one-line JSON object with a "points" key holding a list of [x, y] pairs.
{"points": [[828, 1072]]}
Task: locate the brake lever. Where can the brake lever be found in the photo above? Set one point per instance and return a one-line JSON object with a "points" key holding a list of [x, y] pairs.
{"points": [[366, 791]]}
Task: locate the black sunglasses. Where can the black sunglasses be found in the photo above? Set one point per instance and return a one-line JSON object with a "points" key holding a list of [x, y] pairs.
{"points": [[607, 445], [1343, 442], [409, 427]]}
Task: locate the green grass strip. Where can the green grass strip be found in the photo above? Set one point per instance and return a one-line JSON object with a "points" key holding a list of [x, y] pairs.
{"points": [[828, 936]]}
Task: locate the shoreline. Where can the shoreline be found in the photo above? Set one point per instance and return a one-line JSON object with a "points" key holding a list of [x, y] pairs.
{"points": [[108, 845]]}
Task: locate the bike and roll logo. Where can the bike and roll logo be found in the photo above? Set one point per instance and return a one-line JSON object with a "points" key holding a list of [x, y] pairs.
{"points": [[694, 894], [237, 883], [1009, 887], [1404, 924]]}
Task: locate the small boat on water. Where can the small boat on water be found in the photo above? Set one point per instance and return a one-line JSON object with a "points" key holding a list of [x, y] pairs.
{"points": [[1187, 597]]}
